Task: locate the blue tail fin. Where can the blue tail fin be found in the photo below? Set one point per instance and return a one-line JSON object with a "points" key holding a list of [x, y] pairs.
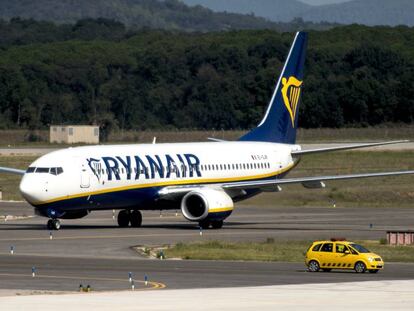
{"points": [[281, 118]]}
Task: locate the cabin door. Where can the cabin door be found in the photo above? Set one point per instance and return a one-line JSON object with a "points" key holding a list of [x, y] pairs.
{"points": [[85, 181]]}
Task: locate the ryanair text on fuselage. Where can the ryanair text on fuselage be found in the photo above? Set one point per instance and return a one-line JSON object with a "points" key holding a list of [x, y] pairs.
{"points": [[148, 166]]}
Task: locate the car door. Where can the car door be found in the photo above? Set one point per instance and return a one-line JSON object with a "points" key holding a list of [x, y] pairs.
{"points": [[327, 257], [343, 256]]}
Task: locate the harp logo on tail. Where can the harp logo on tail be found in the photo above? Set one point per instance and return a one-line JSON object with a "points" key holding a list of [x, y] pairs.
{"points": [[291, 94]]}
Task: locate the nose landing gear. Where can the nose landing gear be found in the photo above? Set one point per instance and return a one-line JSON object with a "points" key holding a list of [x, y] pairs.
{"points": [[127, 217], [53, 224]]}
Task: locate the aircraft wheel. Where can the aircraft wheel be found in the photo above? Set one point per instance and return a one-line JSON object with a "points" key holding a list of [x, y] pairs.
{"points": [[204, 224], [123, 218], [53, 224], [217, 224], [135, 218]]}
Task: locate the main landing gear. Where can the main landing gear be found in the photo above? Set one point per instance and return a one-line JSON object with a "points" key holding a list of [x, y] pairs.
{"points": [[215, 224], [53, 224], [127, 217]]}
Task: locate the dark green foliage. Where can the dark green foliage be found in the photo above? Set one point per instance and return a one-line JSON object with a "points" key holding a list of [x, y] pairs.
{"points": [[98, 72]]}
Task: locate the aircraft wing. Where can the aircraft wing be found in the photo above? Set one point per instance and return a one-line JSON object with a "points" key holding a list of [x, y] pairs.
{"points": [[347, 147], [308, 182], [11, 170]]}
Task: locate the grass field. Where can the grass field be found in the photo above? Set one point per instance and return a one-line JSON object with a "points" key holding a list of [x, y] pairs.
{"points": [[385, 191], [270, 250], [9, 183], [372, 192], [41, 137]]}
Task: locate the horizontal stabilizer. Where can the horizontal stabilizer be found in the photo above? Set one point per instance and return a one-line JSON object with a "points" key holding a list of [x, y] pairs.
{"points": [[11, 170], [347, 147]]}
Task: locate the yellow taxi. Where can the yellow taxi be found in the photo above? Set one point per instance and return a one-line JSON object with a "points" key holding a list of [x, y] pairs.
{"points": [[341, 254]]}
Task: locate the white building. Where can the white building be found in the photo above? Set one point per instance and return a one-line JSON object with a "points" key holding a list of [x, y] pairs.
{"points": [[73, 134]]}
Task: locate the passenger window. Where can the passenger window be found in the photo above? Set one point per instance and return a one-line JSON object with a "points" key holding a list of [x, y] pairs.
{"points": [[327, 247], [317, 247]]}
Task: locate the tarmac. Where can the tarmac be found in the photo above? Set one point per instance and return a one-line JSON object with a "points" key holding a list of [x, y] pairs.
{"points": [[377, 295], [94, 251]]}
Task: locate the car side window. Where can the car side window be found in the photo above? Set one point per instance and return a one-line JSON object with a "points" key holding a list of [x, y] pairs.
{"points": [[341, 248], [317, 247], [353, 252], [327, 247]]}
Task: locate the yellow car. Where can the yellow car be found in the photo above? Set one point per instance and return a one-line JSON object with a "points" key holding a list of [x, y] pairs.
{"points": [[340, 254]]}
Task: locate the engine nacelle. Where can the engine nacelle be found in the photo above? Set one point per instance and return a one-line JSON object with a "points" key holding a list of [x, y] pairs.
{"points": [[206, 203]]}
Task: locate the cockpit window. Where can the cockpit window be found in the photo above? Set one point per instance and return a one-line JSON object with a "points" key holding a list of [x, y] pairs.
{"points": [[50, 170], [42, 170]]}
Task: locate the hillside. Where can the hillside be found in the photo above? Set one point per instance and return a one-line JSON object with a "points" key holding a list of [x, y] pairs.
{"points": [[354, 76], [367, 12], [275, 10], [169, 14]]}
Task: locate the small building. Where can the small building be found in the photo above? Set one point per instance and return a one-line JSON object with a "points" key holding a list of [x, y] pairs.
{"points": [[73, 134]]}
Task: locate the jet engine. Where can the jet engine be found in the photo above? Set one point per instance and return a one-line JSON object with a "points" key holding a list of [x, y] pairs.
{"points": [[206, 204]]}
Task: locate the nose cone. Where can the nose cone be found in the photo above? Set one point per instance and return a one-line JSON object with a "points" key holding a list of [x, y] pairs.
{"points": [[28, 188]]}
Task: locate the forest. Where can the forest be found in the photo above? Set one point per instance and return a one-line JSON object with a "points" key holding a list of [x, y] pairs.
{"points": [[98, 72]]}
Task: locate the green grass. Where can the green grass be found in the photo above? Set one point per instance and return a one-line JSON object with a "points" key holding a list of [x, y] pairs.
{"points": [[392, 132], [9, 183], [269, 250], [368, 192]]}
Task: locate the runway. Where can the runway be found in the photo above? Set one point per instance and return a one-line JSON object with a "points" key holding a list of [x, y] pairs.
{"points": [[94, 251]]}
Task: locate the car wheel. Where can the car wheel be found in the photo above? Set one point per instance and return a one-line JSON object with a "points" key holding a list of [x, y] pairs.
{"points": [[373, 271], [313, 266], [360, 267], [326, 270]]}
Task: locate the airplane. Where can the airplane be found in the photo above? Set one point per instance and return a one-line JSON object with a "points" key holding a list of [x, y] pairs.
{"points": [[202, 179]]}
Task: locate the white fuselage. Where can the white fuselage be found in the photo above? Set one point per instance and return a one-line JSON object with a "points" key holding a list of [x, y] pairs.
{"points": [[104, 176]]}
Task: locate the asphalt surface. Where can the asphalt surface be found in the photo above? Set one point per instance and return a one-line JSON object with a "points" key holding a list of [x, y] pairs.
{"points": [[94, 251]]}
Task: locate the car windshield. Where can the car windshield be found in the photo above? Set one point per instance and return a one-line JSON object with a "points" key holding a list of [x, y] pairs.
{"points": [[360, 248]]}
